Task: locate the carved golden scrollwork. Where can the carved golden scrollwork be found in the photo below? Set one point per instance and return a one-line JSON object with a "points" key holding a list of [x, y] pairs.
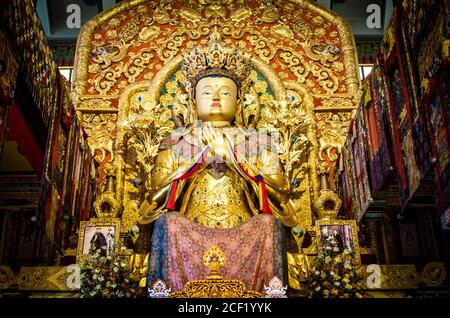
{"points": [[100, 128], [333, 103], [433, 274], [307, 171], [143, 123], [333, 129], [44, 278], [95, 104], [323, 60], [215, 289], [291, 123], [107, 77], [7, 277]]}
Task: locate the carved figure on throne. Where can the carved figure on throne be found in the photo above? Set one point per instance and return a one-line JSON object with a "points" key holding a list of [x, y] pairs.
{"points": [[226, 191]]}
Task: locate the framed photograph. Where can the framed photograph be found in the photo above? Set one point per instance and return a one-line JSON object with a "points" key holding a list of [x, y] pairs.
{"points": [[101, 235], [336, 236]]}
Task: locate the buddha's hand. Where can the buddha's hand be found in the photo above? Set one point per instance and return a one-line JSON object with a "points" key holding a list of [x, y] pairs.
{"points": [[147, 208], [147, 212], [217, 143]]}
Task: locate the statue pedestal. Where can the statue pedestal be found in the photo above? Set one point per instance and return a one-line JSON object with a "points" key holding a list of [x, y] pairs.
{"points": [[215, 288]]}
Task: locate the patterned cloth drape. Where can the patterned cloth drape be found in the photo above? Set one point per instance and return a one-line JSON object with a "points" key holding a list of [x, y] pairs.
{"points": [[254, 251]]}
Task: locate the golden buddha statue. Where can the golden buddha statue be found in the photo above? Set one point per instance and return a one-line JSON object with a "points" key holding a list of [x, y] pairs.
{"points": [[224, 190], [217, 181]]}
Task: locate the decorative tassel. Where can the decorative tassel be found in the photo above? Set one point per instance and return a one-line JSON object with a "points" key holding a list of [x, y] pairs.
{"points": [[170, 205], [262, 188], [264, 202]]}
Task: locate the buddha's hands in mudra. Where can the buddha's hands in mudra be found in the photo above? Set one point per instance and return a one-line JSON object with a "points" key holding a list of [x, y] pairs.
{"points": [[217, 142]]}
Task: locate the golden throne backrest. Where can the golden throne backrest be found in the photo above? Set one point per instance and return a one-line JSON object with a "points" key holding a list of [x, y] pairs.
{"points": [[308, 49]]}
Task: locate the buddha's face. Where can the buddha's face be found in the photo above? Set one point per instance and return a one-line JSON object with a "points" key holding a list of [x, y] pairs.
{"points": [[216, 99]]}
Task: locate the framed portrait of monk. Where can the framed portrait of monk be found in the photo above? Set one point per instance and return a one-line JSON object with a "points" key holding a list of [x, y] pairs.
{"points": [[338, 237], [98, 236]]}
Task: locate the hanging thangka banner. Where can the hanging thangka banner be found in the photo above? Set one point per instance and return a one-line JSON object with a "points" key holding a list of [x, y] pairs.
{"points": [[346, 173], [392, 109], [437, 123], [419, 17], [354, 178], [403, 143], [434, 68], [435, 101], [361, 181], [53, 177], [81, 191], [33, 54], [408, 66], [68, 183], [444, 195], [67, 175], [379, 158], [400, 116], [58, 163], [86, 195], [403, 117], [8, 74]]}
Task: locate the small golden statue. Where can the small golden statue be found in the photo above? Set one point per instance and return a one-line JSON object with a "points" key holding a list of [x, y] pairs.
{"points": [[215, 259]]}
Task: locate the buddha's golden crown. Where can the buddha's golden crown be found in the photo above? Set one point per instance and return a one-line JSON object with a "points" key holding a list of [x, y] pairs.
{"points": [[216, 59]]}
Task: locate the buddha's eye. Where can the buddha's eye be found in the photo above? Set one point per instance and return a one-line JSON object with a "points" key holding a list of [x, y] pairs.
{"points": [[226, 94], [206, 93]]}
